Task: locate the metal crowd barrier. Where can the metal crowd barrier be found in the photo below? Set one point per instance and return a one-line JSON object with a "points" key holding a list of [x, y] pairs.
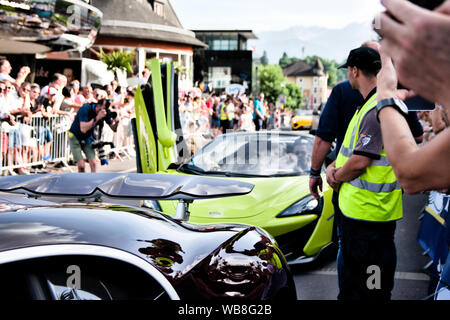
{"points": [[40, 140], [34, 142]]}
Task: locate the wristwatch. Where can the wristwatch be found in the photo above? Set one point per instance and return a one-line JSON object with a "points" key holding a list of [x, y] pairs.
{"points": [[395, 103]]}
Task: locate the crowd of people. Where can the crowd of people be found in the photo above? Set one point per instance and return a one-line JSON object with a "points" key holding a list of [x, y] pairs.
{"points": [[32, 115], [223, 113]]}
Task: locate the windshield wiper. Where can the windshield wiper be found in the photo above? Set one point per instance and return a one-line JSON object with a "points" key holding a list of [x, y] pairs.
{"points": [[191, 168], [249, 175]]}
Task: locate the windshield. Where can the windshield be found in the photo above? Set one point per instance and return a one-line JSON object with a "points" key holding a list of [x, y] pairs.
{"points": [[304, 112], [263, 154]]}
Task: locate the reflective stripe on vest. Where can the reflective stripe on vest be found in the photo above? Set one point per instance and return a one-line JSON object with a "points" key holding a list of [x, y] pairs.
{"points": [[375, 195]]}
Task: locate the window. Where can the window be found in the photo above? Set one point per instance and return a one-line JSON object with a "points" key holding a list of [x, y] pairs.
{"points": [[159, 9], [100, 278], [220, 77], [220, 41]]}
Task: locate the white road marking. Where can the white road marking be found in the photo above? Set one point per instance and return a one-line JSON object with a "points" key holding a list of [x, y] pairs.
{"points": [[398, 275]]}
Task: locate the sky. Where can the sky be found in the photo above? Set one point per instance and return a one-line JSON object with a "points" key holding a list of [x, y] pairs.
{"points": [[273, 15]]}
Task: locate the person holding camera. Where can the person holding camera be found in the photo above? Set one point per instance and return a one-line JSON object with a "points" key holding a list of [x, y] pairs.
{"points": [[415, 52], [82, 132]]}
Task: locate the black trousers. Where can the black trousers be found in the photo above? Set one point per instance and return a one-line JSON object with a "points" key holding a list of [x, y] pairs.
{"points": [[367, 259]]}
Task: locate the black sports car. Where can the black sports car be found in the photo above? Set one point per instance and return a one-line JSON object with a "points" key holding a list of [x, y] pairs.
{"points": [[71, 251]]}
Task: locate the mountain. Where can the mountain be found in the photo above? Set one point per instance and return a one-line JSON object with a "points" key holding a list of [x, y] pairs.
{"points": [[327, 43]]}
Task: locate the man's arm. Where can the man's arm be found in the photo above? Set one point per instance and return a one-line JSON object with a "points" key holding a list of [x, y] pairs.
{"points": [[85, 126], [354, 167], [417, 169], [319, 153], [321, 148]]}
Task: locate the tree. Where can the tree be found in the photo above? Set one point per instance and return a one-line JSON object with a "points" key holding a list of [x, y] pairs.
{"points": [[271, 78], [117, 60], [293, 96], [264, 59], [285, 60]]}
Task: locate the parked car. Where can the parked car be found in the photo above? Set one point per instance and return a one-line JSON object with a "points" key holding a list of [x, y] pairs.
{"points": [[305, 120], [277, 163], [102, 251]]}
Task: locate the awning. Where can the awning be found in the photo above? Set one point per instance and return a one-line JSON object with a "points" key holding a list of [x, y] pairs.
{"points": [[21, 47]]}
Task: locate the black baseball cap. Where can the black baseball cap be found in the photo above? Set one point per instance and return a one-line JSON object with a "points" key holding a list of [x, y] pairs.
{"points": [[364, 58]]}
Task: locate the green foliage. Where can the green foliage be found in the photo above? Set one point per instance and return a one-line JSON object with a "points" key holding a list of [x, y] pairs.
{"points": [[271, 77], [117, 60], [274, 84], [335, 75], [293, 95], [285, 60]]}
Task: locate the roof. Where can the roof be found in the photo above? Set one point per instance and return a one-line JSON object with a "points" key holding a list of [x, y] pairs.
{"points": [[301, 68], [136, 19], [247, 34]]}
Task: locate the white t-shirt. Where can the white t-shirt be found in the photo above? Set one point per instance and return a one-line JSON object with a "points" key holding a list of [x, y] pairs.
{"points": [[4, 77], [230, 110]]}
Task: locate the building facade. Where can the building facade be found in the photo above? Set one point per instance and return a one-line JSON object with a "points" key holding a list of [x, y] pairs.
{"points": [[226, 61], [312, 80], [149, 27]]}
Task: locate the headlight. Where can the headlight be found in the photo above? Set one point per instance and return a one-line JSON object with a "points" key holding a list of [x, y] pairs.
{"points": [[151, 204], [306, 205]]}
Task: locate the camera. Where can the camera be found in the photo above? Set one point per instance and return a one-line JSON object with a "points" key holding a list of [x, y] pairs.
{"points": [[110, 115], [109, 119]]}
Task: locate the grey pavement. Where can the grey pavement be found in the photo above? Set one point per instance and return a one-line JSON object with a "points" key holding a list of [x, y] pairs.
{"points": [[124, 165]]}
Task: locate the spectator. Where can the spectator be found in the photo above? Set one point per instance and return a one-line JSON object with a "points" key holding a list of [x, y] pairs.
{"points": [[14, 107], [247, 123], [224, 116], [143, 79], [81, 133], [5, 70], [258, 112], [215, 120], [85, 96]]}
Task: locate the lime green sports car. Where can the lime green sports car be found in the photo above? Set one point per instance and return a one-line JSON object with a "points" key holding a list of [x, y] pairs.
{"points": [[277, 163]]}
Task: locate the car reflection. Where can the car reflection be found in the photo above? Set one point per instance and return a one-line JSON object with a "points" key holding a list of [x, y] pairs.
{"points": [[67, 24]]}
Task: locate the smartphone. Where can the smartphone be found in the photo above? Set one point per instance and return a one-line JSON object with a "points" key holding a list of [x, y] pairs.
{"points": [[428, 4], [419, 103]]}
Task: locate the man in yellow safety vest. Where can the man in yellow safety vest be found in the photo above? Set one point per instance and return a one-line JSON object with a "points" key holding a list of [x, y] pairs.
{"points": [[370, 198]]}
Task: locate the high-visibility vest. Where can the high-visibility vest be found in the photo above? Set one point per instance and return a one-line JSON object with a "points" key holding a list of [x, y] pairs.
{"points": [[223, 115], [375, 195]]}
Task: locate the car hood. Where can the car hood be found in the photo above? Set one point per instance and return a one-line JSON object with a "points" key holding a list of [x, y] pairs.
{"points": [[269, 194], [193, 258]]}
